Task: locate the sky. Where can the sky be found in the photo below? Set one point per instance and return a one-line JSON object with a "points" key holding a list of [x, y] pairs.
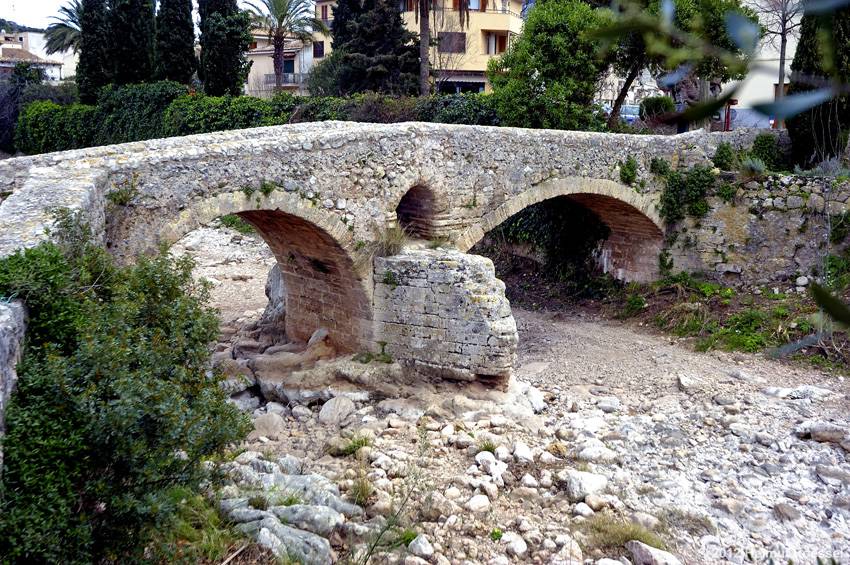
{"points": [[33, 13]]}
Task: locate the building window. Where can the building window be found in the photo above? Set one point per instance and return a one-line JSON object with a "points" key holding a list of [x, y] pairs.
{"points": [[253, 45], [318, 49], [325, 13], [405, 5], [474, 5], [452, 42], [496, 43]]}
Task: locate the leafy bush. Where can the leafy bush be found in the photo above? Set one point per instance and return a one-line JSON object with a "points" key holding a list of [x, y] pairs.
{"points": [[654, 106], [659, 166], [766, 149], [726, 191], [471, 109], [134, 112], [376, 108], [628, 171], [114, 408], [724, 157], [548, 76], [198, 113], [46, 126]]}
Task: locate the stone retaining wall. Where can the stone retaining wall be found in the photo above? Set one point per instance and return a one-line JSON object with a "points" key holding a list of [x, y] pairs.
{"points": [[773, 231]]}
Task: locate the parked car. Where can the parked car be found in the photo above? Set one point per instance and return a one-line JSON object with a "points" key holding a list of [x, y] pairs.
{"points": [[629, 113]]}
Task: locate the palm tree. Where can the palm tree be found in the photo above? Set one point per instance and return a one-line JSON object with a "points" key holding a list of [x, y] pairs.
{"points": [[285, 19], [423, 10], [64, 33]]}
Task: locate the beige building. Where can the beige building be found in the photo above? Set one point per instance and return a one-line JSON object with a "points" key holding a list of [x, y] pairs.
{"points": [[298, 59], [29, 47], [459, 59]]}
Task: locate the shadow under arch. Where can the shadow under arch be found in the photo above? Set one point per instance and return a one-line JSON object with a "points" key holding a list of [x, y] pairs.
{"points": [[630, 253]]}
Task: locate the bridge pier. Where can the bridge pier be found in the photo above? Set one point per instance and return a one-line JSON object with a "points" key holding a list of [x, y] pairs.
{"points": [[444, 313]]}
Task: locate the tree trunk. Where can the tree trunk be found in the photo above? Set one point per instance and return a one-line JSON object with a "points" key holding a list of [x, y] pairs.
{"points": [[277, 58], [780, 91], [424, 47], [634, 71]]}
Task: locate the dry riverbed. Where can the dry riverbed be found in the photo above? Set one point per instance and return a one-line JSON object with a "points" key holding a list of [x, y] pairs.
{"points": [[606, 434]]}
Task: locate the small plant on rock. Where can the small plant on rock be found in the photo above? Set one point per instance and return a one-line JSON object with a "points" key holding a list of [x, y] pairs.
{"points": [[659, 166], [361, 490], [357, 441], [495, 534], [486, 445], [628, 171], [727, 192], [752, 168], [609, 533], [259, 502], [267, 187]]}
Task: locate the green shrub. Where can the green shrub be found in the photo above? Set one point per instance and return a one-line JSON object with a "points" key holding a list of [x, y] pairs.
{"points": [[198, 113], [46, 126], [134, 112], [471, 109], [686, 194], [727, 191], [724, 157], [628, 171], [113, 409], [659, 166], [655, 106], [766, 149], [321, 109]]}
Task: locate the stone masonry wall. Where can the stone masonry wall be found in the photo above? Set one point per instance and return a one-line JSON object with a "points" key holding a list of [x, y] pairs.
{"points": [[12, 327], [774, 230], [445, 312]]}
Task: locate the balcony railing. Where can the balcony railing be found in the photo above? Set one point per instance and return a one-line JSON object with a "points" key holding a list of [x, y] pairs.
{"points": [[286, 79]]}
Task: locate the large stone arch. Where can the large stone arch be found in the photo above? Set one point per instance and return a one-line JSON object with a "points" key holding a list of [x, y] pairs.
{"points": [[637, 234], [324, 275]]}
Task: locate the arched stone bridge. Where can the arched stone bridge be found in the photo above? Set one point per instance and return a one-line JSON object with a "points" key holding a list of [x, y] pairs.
{"points": [[323, 196]]}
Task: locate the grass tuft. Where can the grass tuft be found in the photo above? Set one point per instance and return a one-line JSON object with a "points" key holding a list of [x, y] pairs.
{"points": [[609, 534]]}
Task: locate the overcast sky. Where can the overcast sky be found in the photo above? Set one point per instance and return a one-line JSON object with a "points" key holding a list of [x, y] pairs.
{"points": [[33, 13]]}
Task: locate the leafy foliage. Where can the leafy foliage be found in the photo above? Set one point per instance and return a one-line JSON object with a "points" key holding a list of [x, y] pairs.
{"points": [[548, 76], [467, 108], [659, 166], [45, 126], [114, 407], [200, 114], [22, 77]]}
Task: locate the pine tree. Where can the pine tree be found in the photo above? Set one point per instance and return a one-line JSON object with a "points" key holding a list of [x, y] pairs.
{"points": [[345, 12], [175, 41], [378, 53], [225, 36], [93, 68], [132, 46]]}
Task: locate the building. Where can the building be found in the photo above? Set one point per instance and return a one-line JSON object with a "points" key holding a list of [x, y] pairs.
{"points": [[298, 59], [29, 47], [459, 58]]}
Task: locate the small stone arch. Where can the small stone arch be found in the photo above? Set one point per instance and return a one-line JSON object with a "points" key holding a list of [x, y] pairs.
{"points": [[416, 212], [321, 270], [631, 251]]}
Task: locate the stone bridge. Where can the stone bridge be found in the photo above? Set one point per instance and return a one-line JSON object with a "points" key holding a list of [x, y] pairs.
{"points": [[324, 196]]}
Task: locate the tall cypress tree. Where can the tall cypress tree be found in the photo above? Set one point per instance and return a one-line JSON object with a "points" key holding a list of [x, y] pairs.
{"points": [[132, 46], [225, 36], [175, 41], [94, 69], [378, 53]]}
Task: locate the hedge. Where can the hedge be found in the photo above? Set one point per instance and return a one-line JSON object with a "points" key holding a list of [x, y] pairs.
{"points": [[45, 126], [163, 109], [655, 106]]}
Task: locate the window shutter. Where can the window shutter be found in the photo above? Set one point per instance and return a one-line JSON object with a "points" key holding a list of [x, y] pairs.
{"points": [[455, 5], [502, 43], [483, 5]]}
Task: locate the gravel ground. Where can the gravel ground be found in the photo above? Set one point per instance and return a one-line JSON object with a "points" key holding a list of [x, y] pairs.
{"points": [[729, 458]]}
